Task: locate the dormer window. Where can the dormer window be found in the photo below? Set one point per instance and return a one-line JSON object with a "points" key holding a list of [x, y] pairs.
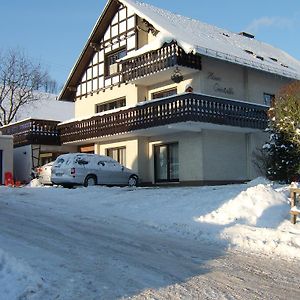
{"points": [[111, 65]]}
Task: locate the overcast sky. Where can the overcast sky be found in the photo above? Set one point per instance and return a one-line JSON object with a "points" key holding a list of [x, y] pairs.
{"points": [[54, 32]]}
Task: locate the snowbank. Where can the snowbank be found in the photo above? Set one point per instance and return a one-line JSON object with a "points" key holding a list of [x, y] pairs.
{"points": [[17, 280], [257, 219], [252, 217]]}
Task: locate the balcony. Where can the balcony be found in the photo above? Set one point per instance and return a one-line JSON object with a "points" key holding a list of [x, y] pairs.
{"points": [[157, 66], [33, 131], [196, 108]]}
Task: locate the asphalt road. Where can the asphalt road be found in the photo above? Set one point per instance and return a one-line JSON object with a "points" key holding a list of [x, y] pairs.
{"points": [[94, 258]]}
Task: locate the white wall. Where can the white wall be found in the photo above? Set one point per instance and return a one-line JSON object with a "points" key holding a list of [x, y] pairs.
{"points": [[6, 145], [23, 163]]}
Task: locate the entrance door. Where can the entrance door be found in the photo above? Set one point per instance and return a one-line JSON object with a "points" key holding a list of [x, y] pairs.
{"points": [[166, 163], [1, 167]]}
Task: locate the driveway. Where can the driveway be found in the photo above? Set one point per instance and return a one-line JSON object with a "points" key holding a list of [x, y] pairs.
{"points": [[82, 256]]}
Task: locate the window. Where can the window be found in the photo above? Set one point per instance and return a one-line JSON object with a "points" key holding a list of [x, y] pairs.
{"points": [[118, 154], [111, 66], [268, 99], [111, 105], [164, 93]]}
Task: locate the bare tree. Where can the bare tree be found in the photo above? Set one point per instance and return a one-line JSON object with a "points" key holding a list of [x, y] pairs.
{"points": [[20, 81]]}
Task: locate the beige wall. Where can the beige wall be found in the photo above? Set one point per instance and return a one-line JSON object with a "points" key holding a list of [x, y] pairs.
{"points": [[225, 156], [6, 145], [255, 143], [87, 105], [224, 79]]}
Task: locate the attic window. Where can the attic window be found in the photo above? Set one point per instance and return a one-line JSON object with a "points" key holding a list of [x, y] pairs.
{"points": [[259, 57], [274, 59], [246, 34], [226, 34], [284, 65], [249, 52]]}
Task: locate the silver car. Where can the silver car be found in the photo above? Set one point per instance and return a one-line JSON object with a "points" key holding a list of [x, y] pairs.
{"points": [[90, 169]]}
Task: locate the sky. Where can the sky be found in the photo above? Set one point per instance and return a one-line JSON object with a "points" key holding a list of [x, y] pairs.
{"points": [[54, 32]]}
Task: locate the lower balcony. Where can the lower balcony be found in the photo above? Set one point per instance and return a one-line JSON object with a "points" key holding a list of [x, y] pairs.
{"points": [[180, 109], [33, 131]]}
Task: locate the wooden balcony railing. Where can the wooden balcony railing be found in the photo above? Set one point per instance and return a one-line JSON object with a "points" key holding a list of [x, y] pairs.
{"points": [[180, 108], [151, 62], [33, 131]]}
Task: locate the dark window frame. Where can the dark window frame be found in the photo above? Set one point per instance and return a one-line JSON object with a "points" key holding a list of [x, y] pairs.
{"points": [[168, 145], [111, 58], [118, 149], [269, 99], [164, 93], [110, 105]]}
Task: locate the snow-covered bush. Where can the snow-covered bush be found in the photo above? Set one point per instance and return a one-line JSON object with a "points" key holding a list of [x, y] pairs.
{"points": [[281, 154]]}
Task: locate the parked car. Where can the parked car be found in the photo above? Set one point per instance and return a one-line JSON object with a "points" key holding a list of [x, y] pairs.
{"points": [[90, 169], [44, 173]]}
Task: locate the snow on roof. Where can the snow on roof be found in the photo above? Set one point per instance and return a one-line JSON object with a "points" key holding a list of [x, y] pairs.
{"points": [[48, 108], [198, 37]]}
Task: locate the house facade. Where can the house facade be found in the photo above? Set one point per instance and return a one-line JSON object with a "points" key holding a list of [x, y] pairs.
{"points": [[172, 98]]}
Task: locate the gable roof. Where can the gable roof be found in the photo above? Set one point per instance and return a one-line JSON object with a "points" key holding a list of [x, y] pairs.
{"points": [[198, 37], [193, 36]]}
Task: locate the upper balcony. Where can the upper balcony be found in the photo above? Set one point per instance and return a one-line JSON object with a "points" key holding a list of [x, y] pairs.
{"points": [[180, 110], [33, 131], [158, 65]]}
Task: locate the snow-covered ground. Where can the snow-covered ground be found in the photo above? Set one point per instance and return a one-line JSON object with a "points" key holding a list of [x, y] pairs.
{"points": [[249, 218]]}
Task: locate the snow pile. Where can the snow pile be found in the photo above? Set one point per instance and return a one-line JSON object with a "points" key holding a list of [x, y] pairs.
{"points": [[35, 183], [257, 220], [17, 281], [250, 207]]}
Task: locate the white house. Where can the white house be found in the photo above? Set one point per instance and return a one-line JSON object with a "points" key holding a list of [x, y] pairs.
{"points": [[35, 134], [131, 102]]}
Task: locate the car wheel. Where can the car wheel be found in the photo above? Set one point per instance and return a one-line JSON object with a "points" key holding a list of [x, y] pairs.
{"points": [[133, 181], [90, 180]]}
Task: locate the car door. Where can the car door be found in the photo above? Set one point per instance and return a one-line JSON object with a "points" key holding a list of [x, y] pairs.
{"points": [[116, 173], [103, 172]]}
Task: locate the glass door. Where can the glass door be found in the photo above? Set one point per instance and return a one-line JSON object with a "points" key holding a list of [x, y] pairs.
{"points": [[166, 163]]}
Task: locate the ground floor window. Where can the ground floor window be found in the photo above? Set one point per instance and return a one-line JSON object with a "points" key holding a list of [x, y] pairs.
{"points": [[118, 154], [166, 163]]}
